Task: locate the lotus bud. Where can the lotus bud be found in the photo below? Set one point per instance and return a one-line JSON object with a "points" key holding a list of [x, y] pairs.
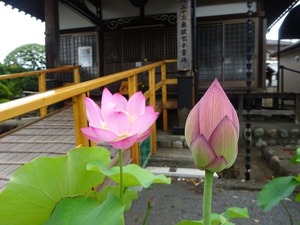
{"points": [[212, 130]]}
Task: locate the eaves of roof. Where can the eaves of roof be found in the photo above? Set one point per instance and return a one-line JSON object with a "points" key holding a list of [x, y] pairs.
{"points": [[274, 9]]}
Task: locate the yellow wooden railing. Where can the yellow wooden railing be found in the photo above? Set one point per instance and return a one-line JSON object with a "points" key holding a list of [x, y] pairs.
{"points": [[41, 74], [78, 91]]}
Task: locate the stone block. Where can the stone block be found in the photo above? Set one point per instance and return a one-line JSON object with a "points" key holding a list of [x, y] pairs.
{"points": [[283, 133], [295, 132], [259, 132], [177, 144], [272, 133]]}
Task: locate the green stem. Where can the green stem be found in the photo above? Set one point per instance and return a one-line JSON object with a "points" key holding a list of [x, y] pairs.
{"points": [[121, 173], [146, 216], [288, 212], [207, 197]]}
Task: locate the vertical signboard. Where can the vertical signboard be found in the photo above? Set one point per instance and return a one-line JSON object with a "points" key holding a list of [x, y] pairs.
{"points": [[184, 36]]}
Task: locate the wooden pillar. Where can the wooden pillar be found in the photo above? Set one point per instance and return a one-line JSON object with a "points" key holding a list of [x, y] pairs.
{"points": [[52, 34]]}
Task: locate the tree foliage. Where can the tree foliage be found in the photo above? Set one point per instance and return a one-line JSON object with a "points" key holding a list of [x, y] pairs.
{"points": [[24, 58], [27, 57]]}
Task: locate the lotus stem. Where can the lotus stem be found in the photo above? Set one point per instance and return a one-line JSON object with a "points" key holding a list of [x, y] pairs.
{"points": [[207, 197], [288, 212], [121, 173]]}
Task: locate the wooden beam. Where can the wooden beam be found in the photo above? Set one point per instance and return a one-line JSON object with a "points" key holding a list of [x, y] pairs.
{"points": [[52, 34]]}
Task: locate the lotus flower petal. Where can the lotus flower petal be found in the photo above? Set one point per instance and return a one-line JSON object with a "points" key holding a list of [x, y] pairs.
{"points": [[93, 113], [192, 129], [149, 109], [224, 139], [144, 136], [202, 152], [111, 103], [213, 106], [124, 143], [98, 135], [217, 165], [143, 122], [119, 123], [230, 161], [136, 105]]}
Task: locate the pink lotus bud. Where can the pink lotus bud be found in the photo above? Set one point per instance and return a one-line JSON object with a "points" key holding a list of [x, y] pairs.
{"points": [[212, 130]]}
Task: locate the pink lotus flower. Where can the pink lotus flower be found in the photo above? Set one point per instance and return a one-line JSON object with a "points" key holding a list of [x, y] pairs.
{"points": [[212, 130], [119, 122]]}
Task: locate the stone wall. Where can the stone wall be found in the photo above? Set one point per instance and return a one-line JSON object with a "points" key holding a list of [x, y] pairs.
{"points": [[262, 137]]}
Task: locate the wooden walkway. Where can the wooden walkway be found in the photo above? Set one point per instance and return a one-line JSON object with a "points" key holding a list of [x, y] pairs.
{"points": [[52, 136]]}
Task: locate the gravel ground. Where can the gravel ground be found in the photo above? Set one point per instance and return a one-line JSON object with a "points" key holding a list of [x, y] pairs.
{"points": [[183, 200]]}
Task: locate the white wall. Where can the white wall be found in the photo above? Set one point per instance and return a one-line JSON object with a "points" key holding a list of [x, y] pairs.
{"points": [[291, 79], [123, 8], [112, 9], [224, 9], [68, 19], [161, 6], [118, 9]]}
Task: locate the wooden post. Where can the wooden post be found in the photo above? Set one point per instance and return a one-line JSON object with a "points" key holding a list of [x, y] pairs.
{"points": [[135, 149], [79, 120], [76, 74], [52, 34], [152, 102], [42, 88], [164, 96], [132, 85]]}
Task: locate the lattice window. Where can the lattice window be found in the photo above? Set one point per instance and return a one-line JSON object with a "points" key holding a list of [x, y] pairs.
{"points": [[112, 47], [69, 55], [154, 45], [66, 56], [235, 51], [170, 43], [222, 51], [122, 49], [209, 49], [132, 45]]}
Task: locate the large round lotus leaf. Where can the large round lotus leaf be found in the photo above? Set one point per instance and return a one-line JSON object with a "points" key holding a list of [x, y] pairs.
{"points": [[36, 187], [86, 210]]}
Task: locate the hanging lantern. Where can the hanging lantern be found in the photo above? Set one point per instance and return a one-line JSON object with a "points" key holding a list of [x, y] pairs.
{"points": [[138, 3]]}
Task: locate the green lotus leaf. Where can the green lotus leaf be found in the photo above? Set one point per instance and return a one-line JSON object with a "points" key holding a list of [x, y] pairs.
{"points": [[275, 191], [236, 213], [129, 195], [86, 210], [133, 175], [36, 187]]}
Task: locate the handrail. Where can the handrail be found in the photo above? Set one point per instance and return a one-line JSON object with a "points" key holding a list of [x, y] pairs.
{"points": [[289, 69], [77, 92], [281, 69], [41, 74]]}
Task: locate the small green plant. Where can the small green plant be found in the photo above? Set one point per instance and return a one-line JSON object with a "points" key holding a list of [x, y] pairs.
{"points": [[274, 192], [5, 93]]}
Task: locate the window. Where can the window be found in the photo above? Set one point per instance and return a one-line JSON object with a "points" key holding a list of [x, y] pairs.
{"points": [[69, 55], [222, 53]]}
